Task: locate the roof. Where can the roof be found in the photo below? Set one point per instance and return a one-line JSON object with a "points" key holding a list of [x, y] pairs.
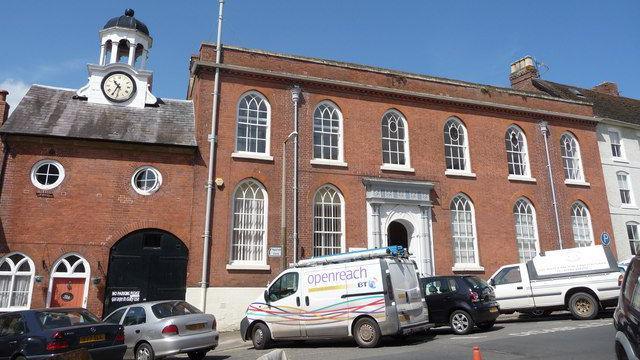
{"points": [[127, 21], [47, 111], [604, 105]]}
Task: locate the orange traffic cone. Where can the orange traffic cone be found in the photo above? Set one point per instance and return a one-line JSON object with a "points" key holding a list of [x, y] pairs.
{"points": [[476, 353]]}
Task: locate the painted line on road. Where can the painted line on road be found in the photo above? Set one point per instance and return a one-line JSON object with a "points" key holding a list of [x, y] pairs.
{"points": [[562, 328], [467, 337]]}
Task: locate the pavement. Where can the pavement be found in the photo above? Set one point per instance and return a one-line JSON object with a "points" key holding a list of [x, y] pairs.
{"points": [[514, 337]]}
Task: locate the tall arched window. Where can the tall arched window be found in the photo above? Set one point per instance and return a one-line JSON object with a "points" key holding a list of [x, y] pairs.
{"points": [[16, 282], [327, 132], [624, 187], [571, 159], [395, 140], [249, 236], [581, 224], [526, 230], [108, 46], [517, 152], [328, 221], [634, 237], [456, 146], [254, 118], [463, 231]]}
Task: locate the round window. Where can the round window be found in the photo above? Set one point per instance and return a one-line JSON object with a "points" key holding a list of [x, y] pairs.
{"points": [[146, 180], [47, 174]]}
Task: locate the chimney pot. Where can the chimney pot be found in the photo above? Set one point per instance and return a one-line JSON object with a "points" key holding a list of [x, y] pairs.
{"points": [[607, 87], [523, 71], [4, 107]]}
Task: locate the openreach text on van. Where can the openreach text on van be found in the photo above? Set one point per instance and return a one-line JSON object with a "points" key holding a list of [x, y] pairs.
{"points": [[342, 275]]}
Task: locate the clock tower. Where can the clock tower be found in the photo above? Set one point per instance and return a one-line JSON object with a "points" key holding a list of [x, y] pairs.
{"points": [[121, 78]]}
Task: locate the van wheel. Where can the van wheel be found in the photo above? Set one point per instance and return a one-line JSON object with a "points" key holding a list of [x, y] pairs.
{"points": [[261, 337], [367, 333], [583, 306], [461, 322]]}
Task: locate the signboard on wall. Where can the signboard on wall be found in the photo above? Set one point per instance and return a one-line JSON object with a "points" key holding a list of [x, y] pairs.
{"points": [[125, 296], [275, 251]]}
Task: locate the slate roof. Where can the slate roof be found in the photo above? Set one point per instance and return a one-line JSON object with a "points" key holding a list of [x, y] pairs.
{"points": [[47, 111], [606, 106]]}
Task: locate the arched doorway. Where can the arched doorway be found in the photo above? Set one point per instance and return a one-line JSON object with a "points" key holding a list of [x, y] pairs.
{"points": [[69, 284], [397, 235], [146, 265]]}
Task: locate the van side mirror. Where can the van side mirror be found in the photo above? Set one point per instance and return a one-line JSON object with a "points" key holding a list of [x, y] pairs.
{"points": [[266, 296]]}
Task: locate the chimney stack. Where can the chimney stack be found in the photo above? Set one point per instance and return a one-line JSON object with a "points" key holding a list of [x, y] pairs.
{"points": [[4, 107], [523, 71], [607, 87]]}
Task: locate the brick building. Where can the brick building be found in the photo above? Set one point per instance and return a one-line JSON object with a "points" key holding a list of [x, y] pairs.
{"points": [[103, 188]]}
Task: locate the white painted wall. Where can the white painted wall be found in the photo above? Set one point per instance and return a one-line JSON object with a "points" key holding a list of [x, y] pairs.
{"points": [[227, 304], [630, 163]]}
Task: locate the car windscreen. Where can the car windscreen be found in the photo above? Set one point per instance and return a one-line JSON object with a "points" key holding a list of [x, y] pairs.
{"points": [[58, 319], [173, 308], [476, 282]]}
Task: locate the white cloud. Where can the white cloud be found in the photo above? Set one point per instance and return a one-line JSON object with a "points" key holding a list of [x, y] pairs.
{"points": [[16, 89]]}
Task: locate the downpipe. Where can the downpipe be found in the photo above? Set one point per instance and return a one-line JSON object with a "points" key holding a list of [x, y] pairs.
{"points": [[544, 127]]}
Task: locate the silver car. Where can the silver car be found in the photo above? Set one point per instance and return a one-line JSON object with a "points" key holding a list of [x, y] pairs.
{"points": [[162, 328]]}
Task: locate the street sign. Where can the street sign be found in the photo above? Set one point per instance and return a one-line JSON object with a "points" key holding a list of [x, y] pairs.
{"points": [[275, 251], [605, 238]]}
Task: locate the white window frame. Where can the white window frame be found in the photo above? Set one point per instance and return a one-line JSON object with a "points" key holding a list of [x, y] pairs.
{"points": [[407, 152], [322, 161], [266, 155], [523, 153], [462, 129], [461, 266], [342, 216], [13, 272], [635, 248], [574, 176], [620, 144], [524, 204], [632, 202], [55, 184], [145, 168], [70, 274], [576, 205], [260, 264]]}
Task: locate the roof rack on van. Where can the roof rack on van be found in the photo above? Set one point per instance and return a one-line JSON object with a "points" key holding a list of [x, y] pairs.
{"points": [[354, 255]]}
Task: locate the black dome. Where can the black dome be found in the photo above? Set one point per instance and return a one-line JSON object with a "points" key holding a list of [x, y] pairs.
{"points": [[127, 21]]}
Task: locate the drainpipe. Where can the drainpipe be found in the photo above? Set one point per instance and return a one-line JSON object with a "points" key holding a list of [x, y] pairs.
{"points": [[283, 200], [206, 237], [544, 127], [295, 97]]}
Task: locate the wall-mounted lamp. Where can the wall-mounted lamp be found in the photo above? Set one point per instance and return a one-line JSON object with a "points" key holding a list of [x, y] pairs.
{"points": [[38, 278], [219, 182]]}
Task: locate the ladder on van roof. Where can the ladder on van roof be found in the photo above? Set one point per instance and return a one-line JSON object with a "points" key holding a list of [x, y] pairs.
{"points": [[389, 251]]}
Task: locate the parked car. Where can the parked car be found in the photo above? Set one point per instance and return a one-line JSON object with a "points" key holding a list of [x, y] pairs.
{"points": [[39, 334], [581, 280], [461, 302], [162, 328], [362, 294], [626, 318]]}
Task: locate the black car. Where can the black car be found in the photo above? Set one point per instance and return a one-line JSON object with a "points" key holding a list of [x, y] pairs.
{"points": [[461, 302], [626, 318], [41, 334]]}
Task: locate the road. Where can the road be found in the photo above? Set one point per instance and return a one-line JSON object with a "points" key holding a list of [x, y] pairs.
{"points": [[556, 337]]}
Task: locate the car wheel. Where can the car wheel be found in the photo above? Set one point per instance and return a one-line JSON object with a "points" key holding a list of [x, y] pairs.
{"points": [[621, 353], [367, 333], [261, 336], [144, 351], [486, 326], [583, 306], [20, 357], [461, 322], [197, 355]]}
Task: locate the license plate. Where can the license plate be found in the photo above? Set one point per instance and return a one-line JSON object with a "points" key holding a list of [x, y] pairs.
{"points": [[493, 309], [92, 338], [195, 326]]}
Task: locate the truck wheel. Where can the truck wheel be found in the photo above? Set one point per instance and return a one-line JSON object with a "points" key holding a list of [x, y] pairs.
{"points": [[261, 336], [583, 306], [461, 322], [367, 333]]}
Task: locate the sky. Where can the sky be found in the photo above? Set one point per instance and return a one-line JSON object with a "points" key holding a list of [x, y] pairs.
{"points": [[580, 42]]}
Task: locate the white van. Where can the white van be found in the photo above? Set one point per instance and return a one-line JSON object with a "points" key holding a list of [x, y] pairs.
{"points": [[364, 294]]}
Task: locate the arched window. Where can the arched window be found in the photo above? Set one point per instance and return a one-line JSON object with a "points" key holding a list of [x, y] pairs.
{"points": [[463, 231], [328, 221], [107, 52], [624, 187], [249, 238], [634, 237], [456, 146], [581, 224], [254, 117], [139, 54], [526, 230], [571, 160], [123, 52], [327, 132], [517, 153], [16, 282], [395, 140], [69, 284]]}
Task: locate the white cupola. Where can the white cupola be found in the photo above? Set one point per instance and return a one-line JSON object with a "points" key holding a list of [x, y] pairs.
{"points": [[121, 78]]}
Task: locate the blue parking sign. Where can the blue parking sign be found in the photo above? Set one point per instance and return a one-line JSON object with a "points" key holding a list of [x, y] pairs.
{"points": [[605, 238]]}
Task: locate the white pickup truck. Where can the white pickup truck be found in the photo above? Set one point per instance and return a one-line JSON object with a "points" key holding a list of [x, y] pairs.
{"points": [[581, 280]]}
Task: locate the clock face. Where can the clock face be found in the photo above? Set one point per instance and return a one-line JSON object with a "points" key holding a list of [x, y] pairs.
{"points": [[118, 87]]}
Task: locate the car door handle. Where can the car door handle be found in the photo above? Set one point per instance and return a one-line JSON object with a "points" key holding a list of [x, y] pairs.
{"points": [[298, 300], [519, 287], [13, 342], [306, 300], [137, 331]]}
